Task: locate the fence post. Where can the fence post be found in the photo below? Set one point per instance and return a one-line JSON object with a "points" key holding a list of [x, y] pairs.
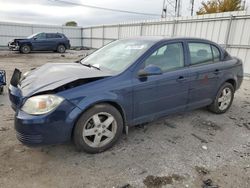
{"points": [[174, 25], [119, 31], [32, 29], [103, 34], [141, 30], [81, 29], [91, 38], [228, 31]]}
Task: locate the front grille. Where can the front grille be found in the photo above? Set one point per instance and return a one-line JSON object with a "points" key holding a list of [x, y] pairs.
{"points": [[29, 139]]}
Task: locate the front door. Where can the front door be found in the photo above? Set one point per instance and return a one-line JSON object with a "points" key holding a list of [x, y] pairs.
{"points": [[158, 95], [40, 42]]}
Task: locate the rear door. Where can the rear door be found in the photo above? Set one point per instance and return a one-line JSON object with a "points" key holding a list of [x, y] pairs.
{"points": [[205, 72], [51, 41], [158, 95]]}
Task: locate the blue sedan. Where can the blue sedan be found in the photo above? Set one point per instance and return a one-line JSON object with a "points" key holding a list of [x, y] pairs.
{"points": [[125, 83]]}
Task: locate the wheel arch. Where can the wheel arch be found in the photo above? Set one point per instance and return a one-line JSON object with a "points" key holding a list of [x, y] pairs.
{"points": [[26, 43], [115, 104], [60, 43], [232, 81]]}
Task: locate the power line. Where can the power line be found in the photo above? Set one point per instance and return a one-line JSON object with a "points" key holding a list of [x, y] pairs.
{"points": [[106, 9]]}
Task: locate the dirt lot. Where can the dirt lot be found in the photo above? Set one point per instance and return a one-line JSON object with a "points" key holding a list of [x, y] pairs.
{"points": [[182, 150]]}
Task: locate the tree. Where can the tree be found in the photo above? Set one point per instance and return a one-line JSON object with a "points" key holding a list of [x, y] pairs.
{"points": [[230, 5], [71, 23], [215, 6]]}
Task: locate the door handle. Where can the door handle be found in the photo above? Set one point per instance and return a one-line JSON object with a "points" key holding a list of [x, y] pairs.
{"points": [[181, 79], [217, 71]]}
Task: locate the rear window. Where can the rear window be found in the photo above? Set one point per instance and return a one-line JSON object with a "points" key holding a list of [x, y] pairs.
{"points": [[216, 53], [226, 56], [53, 35], [200, 53], [58, 36], [203, 53]]}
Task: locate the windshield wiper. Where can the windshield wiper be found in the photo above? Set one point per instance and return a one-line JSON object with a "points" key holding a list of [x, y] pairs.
{"points": [[90, 66]]}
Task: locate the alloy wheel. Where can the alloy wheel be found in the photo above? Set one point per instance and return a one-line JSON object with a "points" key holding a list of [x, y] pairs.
{"points": [[225, 98], [25, 49], [99, 130]]}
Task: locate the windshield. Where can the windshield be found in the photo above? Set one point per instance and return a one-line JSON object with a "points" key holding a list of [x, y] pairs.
{"points": [[31, 36], [118, 55]]}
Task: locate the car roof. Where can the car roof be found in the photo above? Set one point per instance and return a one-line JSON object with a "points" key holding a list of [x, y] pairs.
{"points": [[168, 38], [53, 33]]}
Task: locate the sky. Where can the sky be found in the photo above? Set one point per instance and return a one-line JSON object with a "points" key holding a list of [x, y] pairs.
{"points": [[53, 12]]}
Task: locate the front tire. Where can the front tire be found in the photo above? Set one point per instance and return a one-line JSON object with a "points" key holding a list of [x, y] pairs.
{"points": [[98, 129], [25, 49], [223, 99], [61, 48]]}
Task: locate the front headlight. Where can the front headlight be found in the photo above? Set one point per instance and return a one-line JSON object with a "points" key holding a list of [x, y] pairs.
{"points": [[41, 104]]}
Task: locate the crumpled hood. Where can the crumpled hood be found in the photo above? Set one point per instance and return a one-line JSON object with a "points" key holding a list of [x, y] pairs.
{"points": [[17, 40], [53, 75], [14, 41]]}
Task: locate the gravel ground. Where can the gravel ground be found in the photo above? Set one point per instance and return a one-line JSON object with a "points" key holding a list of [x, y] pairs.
{"points": [[181, 150]]}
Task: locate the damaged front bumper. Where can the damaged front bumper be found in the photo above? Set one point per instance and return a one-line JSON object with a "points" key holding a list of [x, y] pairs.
{"points": [[51, 128], [13, 46], [2, 78]]}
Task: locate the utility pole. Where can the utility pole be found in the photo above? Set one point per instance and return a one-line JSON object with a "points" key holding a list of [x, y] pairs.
{"points": [[243, 5], [170, 8], [164, 9], [175, 7], [192, 7], [179, 8]]}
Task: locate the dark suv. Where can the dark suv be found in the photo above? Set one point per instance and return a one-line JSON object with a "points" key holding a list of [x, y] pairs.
{"points": [[56, 42]]}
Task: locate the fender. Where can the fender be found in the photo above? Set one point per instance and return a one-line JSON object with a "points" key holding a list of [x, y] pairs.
{"points": [[107, 97], [25, 43], [87, 102]]}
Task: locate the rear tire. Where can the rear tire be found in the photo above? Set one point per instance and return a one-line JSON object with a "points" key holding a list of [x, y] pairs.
{"points": [[61, 48], [98, 129], [25, 49], [1, 89], [223, 99]]}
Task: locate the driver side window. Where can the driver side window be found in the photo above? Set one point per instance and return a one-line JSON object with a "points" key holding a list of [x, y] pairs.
{"points": [[167, 57], [40, 36]]}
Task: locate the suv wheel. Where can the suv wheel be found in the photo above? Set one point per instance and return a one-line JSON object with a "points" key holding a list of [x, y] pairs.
{"points": [[61, 48], [25, 49], [1, 89], [98, 129], [223, 99]]}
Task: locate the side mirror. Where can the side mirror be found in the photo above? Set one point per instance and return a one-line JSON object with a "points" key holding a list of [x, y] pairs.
{"points": [[149, 71], [34, 38]]}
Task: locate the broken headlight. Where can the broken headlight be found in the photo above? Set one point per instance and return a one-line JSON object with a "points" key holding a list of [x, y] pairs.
{"points": [[41, 104]]}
